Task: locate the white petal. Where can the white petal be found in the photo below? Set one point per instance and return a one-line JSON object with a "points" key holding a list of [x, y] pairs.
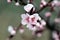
{"points": [[28, 7], [43, 22], [10, 28], [17, 4], [13, 32], [23, 22], [23, 16]]}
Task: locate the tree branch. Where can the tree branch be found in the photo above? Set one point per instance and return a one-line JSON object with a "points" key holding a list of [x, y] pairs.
{"points": [[44, 6]]}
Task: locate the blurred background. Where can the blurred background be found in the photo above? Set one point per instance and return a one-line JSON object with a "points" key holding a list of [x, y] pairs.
{"points": [[10, 15]]}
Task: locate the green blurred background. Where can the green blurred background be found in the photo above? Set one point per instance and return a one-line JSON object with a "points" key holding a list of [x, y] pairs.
{"points": [[10, 15]]}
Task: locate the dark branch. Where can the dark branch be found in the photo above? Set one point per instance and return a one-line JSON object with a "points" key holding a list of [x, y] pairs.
{"points": [[44, 6]]}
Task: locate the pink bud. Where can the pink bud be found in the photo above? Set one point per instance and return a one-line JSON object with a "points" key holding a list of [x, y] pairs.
{"points": [[47, 14], [9, 1], [39, 35], [55, 35], [41, 6], [58, 4], [21, 31], [57, 20], [44, 2]]}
